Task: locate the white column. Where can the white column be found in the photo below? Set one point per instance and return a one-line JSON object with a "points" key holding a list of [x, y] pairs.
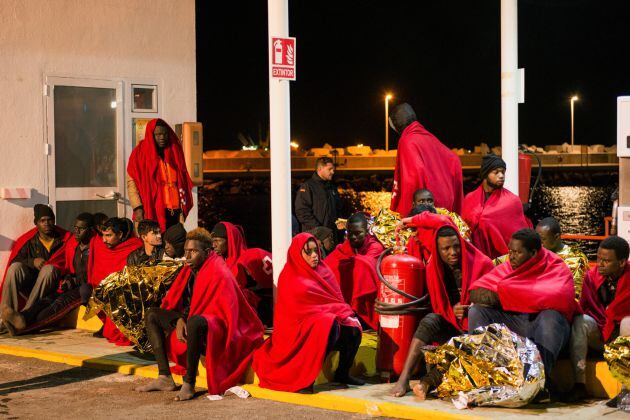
{"points": [[280, 138], [510, 86]]}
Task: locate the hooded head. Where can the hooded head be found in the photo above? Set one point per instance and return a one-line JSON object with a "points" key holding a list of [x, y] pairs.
{"points": [[401, 116]]}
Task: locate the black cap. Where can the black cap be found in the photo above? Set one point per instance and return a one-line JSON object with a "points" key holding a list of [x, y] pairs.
{"points": [[490, 162]]}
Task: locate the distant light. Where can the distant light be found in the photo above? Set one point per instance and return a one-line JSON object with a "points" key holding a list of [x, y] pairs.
{"points": [[574, 98], [360, 145], [388, 97], [294, 145], [250, 147], [113, 104]]}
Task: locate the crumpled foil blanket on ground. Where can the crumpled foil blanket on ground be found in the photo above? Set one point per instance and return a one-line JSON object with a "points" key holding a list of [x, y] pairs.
{"points": [[617, 355], [125, 296], [491, 366]]}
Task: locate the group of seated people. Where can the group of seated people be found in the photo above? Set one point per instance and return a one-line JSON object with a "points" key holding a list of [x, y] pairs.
{"points": [[222, 299]]}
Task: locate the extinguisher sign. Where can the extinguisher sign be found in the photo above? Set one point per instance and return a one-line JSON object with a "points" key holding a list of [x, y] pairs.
{"points": [[282, 58]]}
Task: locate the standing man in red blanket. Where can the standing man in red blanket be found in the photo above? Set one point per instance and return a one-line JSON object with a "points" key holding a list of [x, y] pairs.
{"points": [[423, 162], [311, 319], [158, 183], [354, 264], [454, 265], [251, 267], [492, 212], [605, 301], [204, 312], [532, 294], [108, 256], [36, 262]]}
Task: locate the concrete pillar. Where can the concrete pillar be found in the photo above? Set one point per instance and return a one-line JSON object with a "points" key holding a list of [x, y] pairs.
{"points": [[510, 86], [280, 138]]}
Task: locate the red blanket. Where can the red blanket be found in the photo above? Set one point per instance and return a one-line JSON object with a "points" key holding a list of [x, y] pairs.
{"points": [[234, 330], [101, 263], [308, 302], [57, 259], [144, 168], [607, 317], [258, 263], [356, 274], [543, 282], [493, 222], [236, 247], [424, 162], [419, 244], [474, 264]]}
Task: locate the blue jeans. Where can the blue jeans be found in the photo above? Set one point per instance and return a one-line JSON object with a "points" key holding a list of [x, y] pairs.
{"points": [[548, 329]]}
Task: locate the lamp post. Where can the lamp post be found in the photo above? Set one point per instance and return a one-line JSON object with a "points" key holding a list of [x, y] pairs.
{"points": [[573, 99], [387, 99]]}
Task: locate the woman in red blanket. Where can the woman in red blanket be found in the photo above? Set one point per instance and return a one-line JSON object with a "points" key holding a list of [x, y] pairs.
{"points": [[310, 320], [454, 265], [158, 183], [204, 312], [605, 301], [108, 256], [492, 212], [354, 265], [252, 267], [423, 162], [532, 294]]}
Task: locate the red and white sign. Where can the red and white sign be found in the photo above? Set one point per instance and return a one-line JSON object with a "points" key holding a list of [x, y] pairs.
{"points": [[282, 58]]}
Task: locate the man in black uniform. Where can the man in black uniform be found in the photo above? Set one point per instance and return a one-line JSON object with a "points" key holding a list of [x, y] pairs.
{"points": [[317, 202]]}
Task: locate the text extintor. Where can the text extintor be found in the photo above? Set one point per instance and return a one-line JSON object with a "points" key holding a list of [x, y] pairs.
{"points": [[282, 58]]}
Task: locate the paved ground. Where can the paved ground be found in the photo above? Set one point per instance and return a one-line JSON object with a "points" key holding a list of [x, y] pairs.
{"points": [[35, 389]]}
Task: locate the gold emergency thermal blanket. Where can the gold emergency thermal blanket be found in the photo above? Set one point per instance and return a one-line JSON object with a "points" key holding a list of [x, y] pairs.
{"points": [[383, 226], [617, 354], [125, 296], [491, 366]]}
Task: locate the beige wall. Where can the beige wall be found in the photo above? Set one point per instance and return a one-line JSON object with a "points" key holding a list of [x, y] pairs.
{"points": [[125, 40]]}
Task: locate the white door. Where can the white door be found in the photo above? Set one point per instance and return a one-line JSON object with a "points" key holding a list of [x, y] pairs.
{"points": [[86, 169]]}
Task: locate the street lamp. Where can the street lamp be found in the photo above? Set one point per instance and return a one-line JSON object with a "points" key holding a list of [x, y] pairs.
{"points": [[573, 99], [387, 99]]}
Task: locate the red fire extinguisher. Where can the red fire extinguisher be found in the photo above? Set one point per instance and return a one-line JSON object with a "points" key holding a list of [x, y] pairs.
{"points": [[400, 309]]}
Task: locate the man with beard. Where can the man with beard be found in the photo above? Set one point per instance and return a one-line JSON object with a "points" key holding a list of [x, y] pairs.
{"points": [[492, 212], [36, 262]]}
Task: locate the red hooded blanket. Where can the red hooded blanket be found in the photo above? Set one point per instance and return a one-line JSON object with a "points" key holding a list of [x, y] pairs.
{"points": [[356, 275], [258, 263], [492, 222], [308, 302], [419, 244], [423, 161], [57, 259], [474, 264], [543, 282], [144, 168], [607, 317], [101, 263], [234, 330]]}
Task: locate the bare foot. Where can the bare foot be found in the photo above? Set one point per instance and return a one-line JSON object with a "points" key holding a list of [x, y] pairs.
{"points": [[13, 320], [186, 392], [162, 383], [400, 389], [421, 389]]}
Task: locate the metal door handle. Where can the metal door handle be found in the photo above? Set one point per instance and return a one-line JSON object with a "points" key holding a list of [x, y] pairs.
{"points": [[114, 195]]}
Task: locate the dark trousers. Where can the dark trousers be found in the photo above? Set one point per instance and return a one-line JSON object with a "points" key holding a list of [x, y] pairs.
{"points": [[48, 310], [346, 340], [434, 328], [548, 329], [160, 323]]}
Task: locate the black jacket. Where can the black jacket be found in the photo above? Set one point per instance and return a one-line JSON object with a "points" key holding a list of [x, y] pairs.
{"points": [[317, 203], [35, 249], [139, 257]]}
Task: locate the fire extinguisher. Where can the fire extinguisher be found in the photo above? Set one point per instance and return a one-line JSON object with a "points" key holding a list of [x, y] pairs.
{"points": [[402, 278]]}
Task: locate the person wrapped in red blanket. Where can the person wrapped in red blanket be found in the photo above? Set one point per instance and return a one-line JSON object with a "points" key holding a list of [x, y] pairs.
{"points": [[50, 309], [158, 184], [108, 256], [353, 263], [252, 267], [453, 267], [605, 301], [532, 294], [204, 312], [311, 319], [492, 212], [423, 161], [36, 263]]}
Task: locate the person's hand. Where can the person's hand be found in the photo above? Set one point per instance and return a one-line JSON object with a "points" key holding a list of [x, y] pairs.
{"points": [[180, 330], [406, 220], [67, 284], [460, 310], [138, 214], [39, 263], [341, 225]]}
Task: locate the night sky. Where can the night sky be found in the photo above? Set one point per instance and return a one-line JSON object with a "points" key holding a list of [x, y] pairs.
{"points": [[442, 57]]}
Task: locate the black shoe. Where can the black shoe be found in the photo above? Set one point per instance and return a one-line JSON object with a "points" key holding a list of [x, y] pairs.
{"points": [[348, 380], [307, 390], [99, 333], [613, 402], [577, 393], [543, 397]]}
